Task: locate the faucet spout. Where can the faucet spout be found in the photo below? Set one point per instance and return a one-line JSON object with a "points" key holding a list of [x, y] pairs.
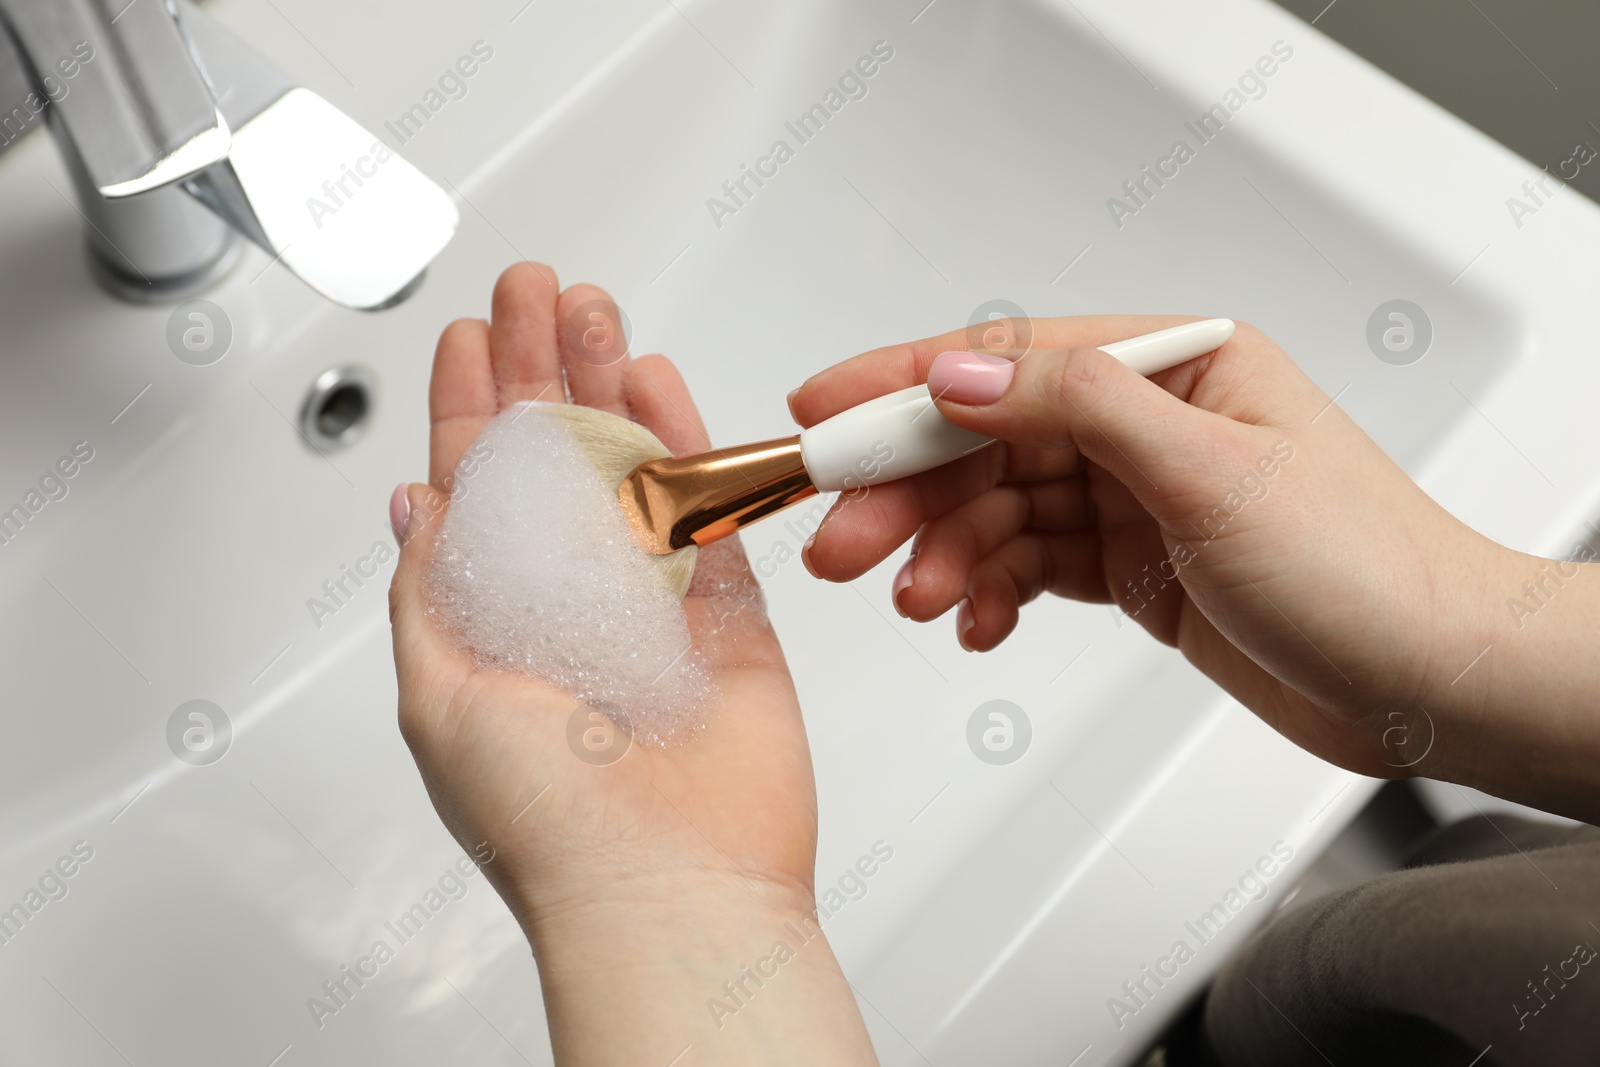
{"points": [[330, 201]]}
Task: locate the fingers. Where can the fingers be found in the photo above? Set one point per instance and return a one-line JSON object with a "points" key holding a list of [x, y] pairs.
{"points": [[884, 370], [655, 393], [963, 561], [859, 379], [1021, 569], [1118, 419], [863, 527], [1176, 422], [461, 396], [948, 550], [481, 367], [524, 351], [594, 351], [853, 539], [935, 577]]}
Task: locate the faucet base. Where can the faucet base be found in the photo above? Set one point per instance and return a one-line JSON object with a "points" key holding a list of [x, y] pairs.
{"points": [[167, 289], [158, 247]]}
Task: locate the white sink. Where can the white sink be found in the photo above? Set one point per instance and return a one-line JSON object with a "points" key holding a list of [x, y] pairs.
{"points": [[977, 166]]}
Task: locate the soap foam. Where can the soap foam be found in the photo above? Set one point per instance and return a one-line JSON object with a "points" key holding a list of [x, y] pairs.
{"points": [[535, 571]]}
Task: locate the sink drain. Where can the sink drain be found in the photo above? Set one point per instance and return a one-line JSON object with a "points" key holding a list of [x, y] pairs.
{"points": [[337, 408]]}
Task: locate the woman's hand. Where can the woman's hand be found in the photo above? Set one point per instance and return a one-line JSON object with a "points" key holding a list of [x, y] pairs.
{"points": [[646, 883], [1226, 505]]}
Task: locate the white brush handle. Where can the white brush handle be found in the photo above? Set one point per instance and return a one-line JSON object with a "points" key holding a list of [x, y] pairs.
{"points": [[902, 434]]}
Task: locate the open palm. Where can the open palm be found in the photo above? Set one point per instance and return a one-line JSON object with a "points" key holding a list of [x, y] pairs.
{"points": [[502, 758]]}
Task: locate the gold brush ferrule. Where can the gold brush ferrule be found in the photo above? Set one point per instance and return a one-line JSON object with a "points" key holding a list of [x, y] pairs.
{"points": [[694, 500]]}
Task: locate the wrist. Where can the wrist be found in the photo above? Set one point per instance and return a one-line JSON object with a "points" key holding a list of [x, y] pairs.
{"points": [[1467, 650], [1511, 702], [647, 905], [655, 964], [558, 886]]}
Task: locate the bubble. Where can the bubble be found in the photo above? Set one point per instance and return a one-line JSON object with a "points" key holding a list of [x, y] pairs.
{"points": [[535, 571]]}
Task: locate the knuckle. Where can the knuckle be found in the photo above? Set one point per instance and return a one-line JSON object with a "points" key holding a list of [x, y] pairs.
{"points": [[1078, 371], [1076, 375]]}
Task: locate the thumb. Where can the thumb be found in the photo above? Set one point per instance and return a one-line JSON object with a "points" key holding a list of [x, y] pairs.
{"points": [[1078, 397], [415, 512], [427, 672]]}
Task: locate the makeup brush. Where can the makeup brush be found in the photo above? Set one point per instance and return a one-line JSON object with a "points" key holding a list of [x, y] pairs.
{"points": [[615, 448], [675, 505]]}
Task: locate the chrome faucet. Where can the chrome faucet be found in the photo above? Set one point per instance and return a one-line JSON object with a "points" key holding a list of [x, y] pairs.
{"points": [[178, 138]]}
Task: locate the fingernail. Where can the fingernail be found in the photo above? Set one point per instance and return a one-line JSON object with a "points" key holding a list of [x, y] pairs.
{"points": [[902, 582], [805, 556], [790, 398], [964, 623], [399, 513], [969, 377]]}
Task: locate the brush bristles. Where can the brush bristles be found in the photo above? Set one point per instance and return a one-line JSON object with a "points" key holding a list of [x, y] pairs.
{"points": [[615, 446]]}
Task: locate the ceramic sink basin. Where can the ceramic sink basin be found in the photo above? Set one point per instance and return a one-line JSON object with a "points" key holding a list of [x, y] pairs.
{"points": [[983, 159]]}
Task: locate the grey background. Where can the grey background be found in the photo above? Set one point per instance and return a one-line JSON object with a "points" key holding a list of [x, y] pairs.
{"points": [[1522, 71]]}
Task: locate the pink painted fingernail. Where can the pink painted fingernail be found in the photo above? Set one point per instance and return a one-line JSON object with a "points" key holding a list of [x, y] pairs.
{"points": [[805, 555], [969, 377], [902, 582], [399, 513], [965, 620]]}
